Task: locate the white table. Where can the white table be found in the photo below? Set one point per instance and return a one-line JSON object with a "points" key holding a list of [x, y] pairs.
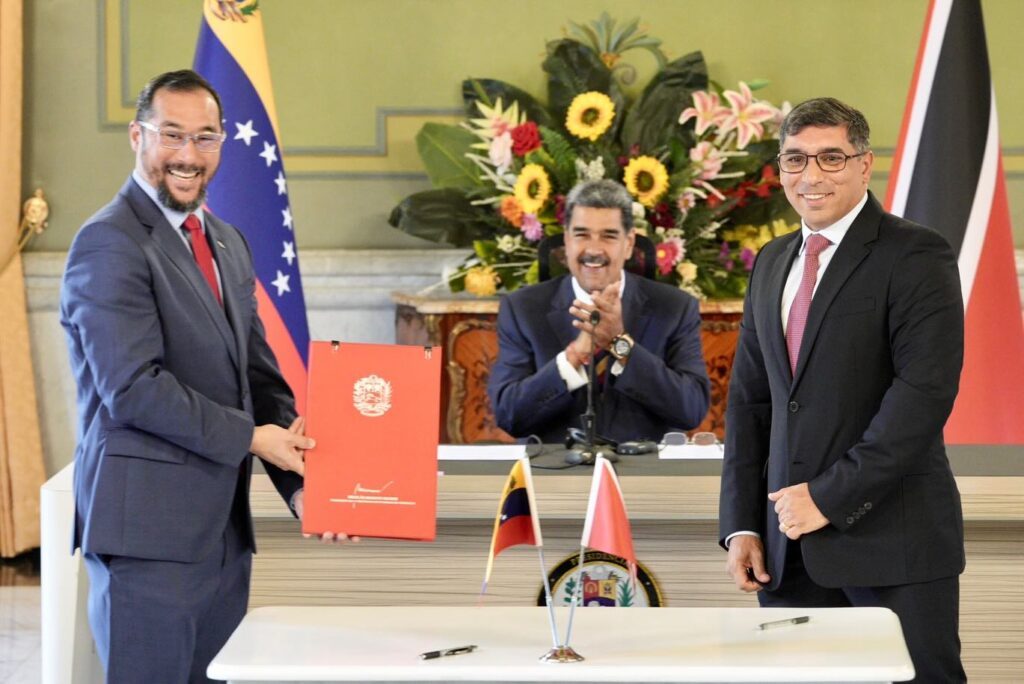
{"points": [[283, 643]]}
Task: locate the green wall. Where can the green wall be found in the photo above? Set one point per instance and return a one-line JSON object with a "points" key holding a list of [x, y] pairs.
{"points": [[354, 79]]}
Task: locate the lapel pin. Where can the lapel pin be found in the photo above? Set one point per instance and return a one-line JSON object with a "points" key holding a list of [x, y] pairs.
{"points": [[221, 244]]}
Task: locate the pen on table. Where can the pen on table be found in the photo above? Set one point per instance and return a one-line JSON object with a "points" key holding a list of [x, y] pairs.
{"points": [[782, 623], [458, 650]]}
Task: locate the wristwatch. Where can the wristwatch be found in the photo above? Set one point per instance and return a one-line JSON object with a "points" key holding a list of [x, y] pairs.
{"points": [[621, 347]]}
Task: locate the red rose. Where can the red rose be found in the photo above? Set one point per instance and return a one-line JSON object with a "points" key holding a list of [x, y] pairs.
{"points": [[525, 139]]}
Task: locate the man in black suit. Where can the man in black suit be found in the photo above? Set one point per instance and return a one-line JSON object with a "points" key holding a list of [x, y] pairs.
{"points": [[654, 379], [836, 489]]}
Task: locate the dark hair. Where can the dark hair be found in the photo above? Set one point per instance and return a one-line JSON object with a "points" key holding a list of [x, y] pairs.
{"points": [[601, 194], [823, 112], [184, 80]]}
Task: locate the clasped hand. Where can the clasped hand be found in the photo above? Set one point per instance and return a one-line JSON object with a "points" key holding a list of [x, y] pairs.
{"points": [[609, 305]]}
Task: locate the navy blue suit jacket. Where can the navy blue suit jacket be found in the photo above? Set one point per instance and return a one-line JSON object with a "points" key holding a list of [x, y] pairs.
{"points": [[663, 387], [861, 421], [170, 384]]}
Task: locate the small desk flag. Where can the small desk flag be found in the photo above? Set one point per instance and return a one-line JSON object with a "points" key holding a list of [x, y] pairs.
{"points": [[607, 525], [516, 522]]}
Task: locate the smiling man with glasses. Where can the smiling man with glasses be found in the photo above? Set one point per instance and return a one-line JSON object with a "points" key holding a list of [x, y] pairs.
{"points": [[836, 489], [177, 390]]}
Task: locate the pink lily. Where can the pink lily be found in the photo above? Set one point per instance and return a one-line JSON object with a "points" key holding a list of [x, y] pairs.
{"points": [[709, 158], [746, 115], [707, 109]]}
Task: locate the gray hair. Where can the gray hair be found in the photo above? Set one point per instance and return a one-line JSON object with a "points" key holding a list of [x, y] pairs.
{"points": [[825, 112], [601, 194]]}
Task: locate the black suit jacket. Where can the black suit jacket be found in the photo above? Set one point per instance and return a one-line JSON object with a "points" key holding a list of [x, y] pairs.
{"points": [[862, 419], [663, 387], [170, 383]]}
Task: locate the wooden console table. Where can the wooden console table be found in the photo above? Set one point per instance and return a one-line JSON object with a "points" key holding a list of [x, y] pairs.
{"points": [[464, 327]]}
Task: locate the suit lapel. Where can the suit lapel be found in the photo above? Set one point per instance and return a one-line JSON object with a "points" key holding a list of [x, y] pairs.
{"points": [[635, 311], [776, 337], [849, 254], [178, 254], [230, 276], [558, 315]]}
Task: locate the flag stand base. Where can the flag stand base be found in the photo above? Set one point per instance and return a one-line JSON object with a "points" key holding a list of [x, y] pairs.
{"points": [[561, 654]]}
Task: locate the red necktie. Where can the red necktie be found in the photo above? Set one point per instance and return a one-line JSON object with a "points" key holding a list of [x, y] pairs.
{"points": [[816, 244], [201, 251]]}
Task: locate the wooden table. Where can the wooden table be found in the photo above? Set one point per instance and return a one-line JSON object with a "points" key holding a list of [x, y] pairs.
{"points": [[464, 327], [292, 644]]}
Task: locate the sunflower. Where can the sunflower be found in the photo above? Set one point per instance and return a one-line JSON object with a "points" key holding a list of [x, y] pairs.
{"points": [[533, 187], [482, 281], [647, 179], [590, 115]]}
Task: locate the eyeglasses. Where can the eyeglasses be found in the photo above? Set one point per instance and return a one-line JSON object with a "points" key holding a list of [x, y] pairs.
{"points": [[697, 439], [795, 162], [174, 139]]}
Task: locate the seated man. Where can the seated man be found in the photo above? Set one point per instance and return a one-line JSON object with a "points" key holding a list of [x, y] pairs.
{"points": [[654, 379]]}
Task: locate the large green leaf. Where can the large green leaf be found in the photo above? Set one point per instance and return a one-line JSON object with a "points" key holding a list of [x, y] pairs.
{"points": [[443, 149], [653, 120], [489, 90], [441, 215], [574, 68]]}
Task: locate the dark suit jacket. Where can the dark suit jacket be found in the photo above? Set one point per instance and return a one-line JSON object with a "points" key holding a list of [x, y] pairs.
{"points": [[663, 387], [170, 384], [862, 420]]}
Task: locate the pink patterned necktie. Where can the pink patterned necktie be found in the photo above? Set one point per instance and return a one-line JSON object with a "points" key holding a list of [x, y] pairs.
{"points": [[816, 244], [202, 253]]}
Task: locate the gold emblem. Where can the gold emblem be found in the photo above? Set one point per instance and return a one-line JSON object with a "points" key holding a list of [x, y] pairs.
{"points": [[371, 396]]}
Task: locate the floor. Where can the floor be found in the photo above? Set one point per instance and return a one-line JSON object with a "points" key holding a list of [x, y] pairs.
{"points": [[19, 620]]}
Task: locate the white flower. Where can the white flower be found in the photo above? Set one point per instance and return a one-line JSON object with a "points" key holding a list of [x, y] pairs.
{"points": [[509, 243], [500, 151], [638, 210], [589, 171]]}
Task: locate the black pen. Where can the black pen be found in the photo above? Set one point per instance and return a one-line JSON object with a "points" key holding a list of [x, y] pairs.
{"points": [[458, 650], [782, 623]]}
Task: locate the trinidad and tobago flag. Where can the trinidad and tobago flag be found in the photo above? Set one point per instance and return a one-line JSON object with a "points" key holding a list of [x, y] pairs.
{"points": [[250, 190], [948, 174]]}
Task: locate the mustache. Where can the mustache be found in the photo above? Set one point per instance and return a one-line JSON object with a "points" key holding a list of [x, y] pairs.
{"points": [[594, 260]]}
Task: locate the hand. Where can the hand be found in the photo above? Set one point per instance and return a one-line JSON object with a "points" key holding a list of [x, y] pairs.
{"points": [[281, 447], [326, 537], [798, 514], [746, 553], [578, 351], [609, 304]]}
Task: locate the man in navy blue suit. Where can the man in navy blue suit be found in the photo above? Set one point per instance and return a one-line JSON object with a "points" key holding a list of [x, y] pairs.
{"points": [[177, 389], [655, 379]]}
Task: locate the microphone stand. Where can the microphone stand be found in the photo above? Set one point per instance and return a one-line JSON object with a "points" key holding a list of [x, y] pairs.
{"points": [[589, 453]]}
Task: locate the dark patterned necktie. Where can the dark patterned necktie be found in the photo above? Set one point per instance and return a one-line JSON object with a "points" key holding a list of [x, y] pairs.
{"points": [[797, 321], [202, 253]]}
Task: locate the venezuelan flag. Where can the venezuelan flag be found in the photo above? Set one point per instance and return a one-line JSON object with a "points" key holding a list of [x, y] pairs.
{"points": [[516, 522], [250, 190]]}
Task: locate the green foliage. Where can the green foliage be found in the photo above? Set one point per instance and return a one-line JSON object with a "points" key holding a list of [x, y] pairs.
{"points": [[652, 121], [442, 215], [562, 155], [442, 148]]}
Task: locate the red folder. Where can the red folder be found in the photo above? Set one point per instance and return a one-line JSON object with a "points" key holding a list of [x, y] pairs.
{"points": [[373, 411]]}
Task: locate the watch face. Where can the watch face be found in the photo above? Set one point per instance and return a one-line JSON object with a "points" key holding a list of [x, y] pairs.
{"points": [[622, 347]]}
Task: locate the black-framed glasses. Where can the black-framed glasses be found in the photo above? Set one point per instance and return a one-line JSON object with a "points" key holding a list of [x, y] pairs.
{"points": [[173, 139], [795, 162]]}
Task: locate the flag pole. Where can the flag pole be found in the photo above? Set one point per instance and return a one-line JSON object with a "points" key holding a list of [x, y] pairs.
{"points": [[547, 598], [575, 595], [564, 653]]}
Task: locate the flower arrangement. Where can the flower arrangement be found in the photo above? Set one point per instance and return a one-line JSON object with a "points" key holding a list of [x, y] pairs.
{"points": [[697, 158]]}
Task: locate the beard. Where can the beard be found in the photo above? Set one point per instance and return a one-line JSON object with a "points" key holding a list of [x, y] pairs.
{"points": [[163, 193]]}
